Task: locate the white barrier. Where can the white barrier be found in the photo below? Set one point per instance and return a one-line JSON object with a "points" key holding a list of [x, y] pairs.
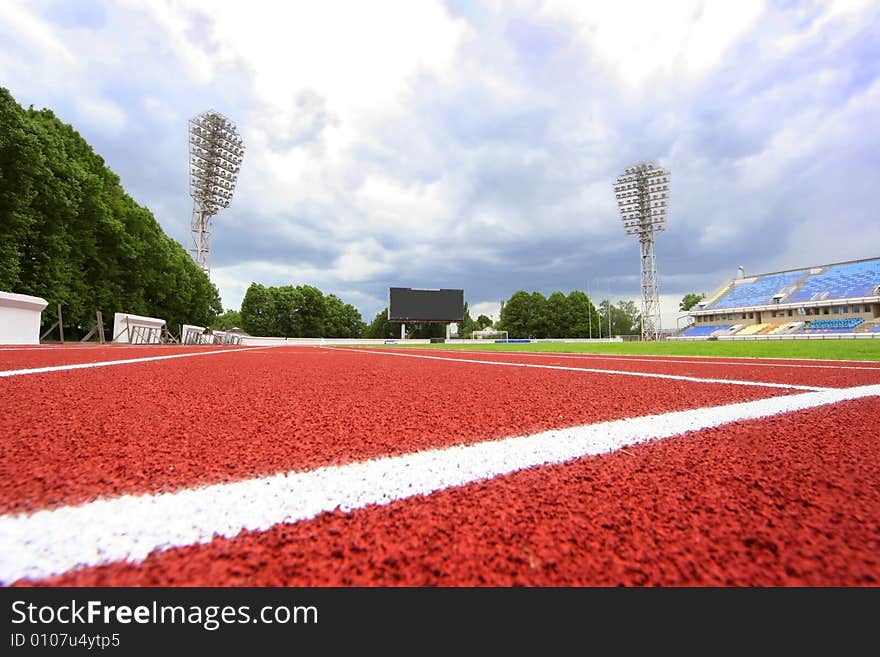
{"points": [[20, 316], [135, 329], [190, 334], [256, 341]]}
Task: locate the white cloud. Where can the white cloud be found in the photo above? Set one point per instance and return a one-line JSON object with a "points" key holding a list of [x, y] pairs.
{"points": [[101, 114], [491, 309], [640, 41], [163, 110], [391, 206], [847, 14], [17, 23], [360, 261], [174, 20]]}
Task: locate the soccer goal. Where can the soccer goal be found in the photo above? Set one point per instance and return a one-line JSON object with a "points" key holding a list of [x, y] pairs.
{"points": [[489, 335]]}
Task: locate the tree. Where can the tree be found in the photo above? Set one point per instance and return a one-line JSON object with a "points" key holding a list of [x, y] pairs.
{"points": [[70, 234], [341, 320], [527, 315], [311, 311], [539, 323], [582, 316], [483, 322], [557, 316], [605, 324], [257, 311], [380, 327], [467, 326], [298, 312], [627, 318], [229, 319], [515, 315], [690, 300], [285, 305], [20, 157]]}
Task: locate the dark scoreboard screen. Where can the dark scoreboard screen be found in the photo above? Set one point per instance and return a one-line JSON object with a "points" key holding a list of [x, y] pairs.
{"points": [[408, 304]]}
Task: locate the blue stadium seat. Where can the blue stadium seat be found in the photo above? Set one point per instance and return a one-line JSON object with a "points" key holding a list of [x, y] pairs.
{"points": [[759, 292], [847, 281], [852, 280], [832, 325], [698, 331]]}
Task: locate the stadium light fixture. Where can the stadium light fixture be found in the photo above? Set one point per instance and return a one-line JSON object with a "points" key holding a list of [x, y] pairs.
{"points": [[642, 193], [215, 154]]}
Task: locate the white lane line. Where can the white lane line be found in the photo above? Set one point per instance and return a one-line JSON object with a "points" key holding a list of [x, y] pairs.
{"points": [[126, 361], [756, 359], [649, 375], [666, 359], [130, 527]]}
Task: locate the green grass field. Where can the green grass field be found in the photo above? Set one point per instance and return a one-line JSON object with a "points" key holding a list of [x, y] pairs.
{"points": [[816, 349]]}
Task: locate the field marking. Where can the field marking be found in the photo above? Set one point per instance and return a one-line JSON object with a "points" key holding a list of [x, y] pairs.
{"points": [[649, 375], [125, 361], [131, 527], [654, 359]]}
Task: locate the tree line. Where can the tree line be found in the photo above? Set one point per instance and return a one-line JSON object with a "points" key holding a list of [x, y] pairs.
{"points": [[302, 311], [532, 315], [70, 234]]}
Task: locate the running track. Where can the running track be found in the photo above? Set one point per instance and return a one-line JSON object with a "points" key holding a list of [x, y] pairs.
{"points": [[306, 466]]}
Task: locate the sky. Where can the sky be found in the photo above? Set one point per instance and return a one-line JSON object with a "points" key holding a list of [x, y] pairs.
{"points": [[475, 145]]}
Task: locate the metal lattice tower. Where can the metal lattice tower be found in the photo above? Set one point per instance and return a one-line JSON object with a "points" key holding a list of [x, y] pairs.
{"points": [[215, 153], [642, 195]]}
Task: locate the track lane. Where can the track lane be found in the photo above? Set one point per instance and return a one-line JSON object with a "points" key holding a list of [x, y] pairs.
{"points": [[825, 374], [12, 358], [790, 500], [71, 436]]}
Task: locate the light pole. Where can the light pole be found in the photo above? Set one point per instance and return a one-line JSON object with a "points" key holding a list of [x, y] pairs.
{"points": [[642, 193], [215, 153]]}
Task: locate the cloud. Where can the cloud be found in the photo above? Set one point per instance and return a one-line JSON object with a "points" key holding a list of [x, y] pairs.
{"points": [[646, 43], [101, 114], [19, 26]]}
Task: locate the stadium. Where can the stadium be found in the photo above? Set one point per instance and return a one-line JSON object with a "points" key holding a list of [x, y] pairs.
{"points": [[835, 300], [154, 438]]}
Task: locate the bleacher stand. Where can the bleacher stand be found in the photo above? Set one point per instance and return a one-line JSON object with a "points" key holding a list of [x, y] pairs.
{"points": [[837, 298], [759, 292], [849, 280]]}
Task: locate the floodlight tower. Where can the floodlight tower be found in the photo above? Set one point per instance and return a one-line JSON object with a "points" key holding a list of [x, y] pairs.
{"points": [[215, 152], [642, 195]]}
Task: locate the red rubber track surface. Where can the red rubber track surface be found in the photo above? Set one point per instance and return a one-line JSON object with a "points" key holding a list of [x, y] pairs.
{"points": [[72, 436], [791, 500], [19, 358], [831, 374]]}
